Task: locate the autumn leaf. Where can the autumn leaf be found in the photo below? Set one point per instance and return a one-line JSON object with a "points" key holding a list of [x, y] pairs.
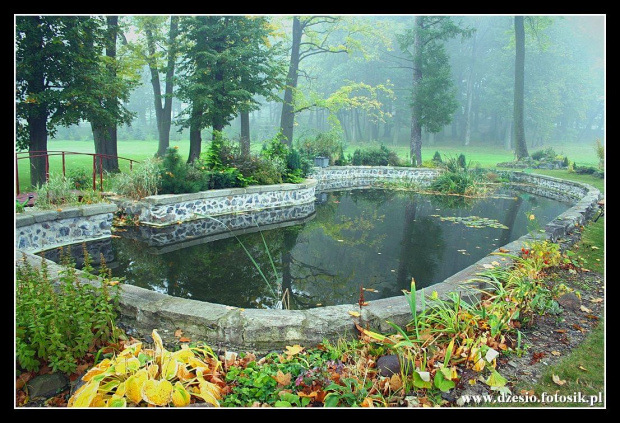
{"points": [[184, 339], [557, 380], [282, 379], [580, 367], [354, 313], [585, 309], [178, 333], [503, 250], [596, 300], [556, 353], [395, 382], [294, 350], [157, 392]]}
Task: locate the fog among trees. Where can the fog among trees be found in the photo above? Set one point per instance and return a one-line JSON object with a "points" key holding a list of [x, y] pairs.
{"points": [[392, 80]]}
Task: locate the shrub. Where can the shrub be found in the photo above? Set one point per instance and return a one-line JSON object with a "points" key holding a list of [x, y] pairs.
{"points": [[437, 157], [325, 144], [600, 152], [547, 154], [142, 181], [59, 325], [80, 178], [58, 190], [179, 177], [381, 156]]}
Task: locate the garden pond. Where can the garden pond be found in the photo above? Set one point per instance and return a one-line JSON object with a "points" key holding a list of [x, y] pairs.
{"points": [[370, 241]]}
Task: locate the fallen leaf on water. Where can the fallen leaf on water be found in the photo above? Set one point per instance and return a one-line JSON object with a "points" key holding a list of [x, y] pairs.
{"points": [[557, 380]]}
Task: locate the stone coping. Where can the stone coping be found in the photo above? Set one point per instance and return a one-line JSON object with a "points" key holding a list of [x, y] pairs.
{"points": [[28, 217], [263, 330]]}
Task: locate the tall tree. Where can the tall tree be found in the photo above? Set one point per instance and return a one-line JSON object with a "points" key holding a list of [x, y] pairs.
{"points": [[227, 63], [103, 124], [433, 93], [160, 60], [520, 145], [310, 35], [53, 55]]}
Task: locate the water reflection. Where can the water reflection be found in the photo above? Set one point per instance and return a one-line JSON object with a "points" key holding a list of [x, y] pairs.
{"points": [[378, 239]]}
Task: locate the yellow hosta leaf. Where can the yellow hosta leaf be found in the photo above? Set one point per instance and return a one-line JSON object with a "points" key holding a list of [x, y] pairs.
{"points": [[97, 370], [99, 401], [159, 345], [180, 396], [198, 364], [153, 371], [496, 380], [109, 386], [183, 355], [117, 401], [157, 392], [183, 374], [84, 396], [133, 385], [120, 389], [126, 365], [209, 392], [294, 350], [479, 366], [169, 368]]}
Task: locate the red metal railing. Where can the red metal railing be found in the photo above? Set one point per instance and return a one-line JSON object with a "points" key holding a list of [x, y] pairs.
{"points": [[30, 154]]}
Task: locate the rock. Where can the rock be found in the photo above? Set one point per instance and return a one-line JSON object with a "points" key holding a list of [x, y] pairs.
{"points": [[388, 365], [569, 301], [47, 385]]}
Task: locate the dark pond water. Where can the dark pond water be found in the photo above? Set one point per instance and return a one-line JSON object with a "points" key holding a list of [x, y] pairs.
{"points": [[376, 239]]}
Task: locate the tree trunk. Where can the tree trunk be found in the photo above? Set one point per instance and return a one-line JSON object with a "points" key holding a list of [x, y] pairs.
{"points": [[287, 120], [244, 139], [415, 148], [164, 114], [195, 139], [37, 126], [37, 122], [520, 145], [508, 136], [105, 134], [470, 92]]}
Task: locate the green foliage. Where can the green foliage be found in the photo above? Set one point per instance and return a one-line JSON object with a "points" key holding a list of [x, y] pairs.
{"points": [[437, 157], [20, 207], [58, 191], [325, 144], [600, 153], [144, 180], [381, 156], [276, 379], [80, 178], [547, 154], [178, 176], [59, 324]]}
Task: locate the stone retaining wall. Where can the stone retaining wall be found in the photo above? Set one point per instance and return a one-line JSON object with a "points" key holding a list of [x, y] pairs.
{"points": [[169, 209], [259, 330], [41, 230], [344, 177]]}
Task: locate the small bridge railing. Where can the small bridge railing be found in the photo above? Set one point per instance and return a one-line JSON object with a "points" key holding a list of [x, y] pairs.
{"points": [[97, 158]]}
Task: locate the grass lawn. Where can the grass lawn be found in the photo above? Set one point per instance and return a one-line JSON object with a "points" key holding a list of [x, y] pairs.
{"points": [[482, 155]]}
